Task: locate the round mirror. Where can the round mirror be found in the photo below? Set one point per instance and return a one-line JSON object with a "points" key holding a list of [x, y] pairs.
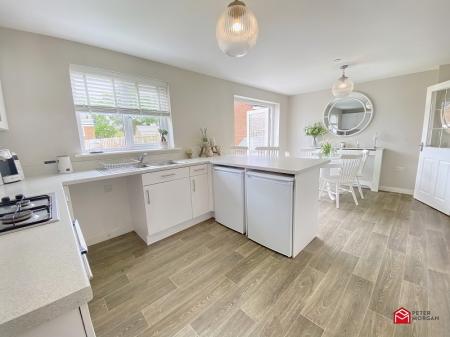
{"points": [[348, 116]]}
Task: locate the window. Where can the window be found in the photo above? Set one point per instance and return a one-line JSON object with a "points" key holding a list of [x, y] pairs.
{"points": [[117, 112], [256, 123]]}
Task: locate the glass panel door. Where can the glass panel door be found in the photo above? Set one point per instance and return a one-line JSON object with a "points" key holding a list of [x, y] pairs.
{"points": [[439, 126]]}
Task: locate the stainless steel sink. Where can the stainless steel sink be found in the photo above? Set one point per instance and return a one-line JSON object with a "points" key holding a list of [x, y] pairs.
{"points": [[163, 163]]}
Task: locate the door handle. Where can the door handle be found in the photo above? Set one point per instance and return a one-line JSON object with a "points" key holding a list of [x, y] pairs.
{"points": [[421, 147], [147, 193], [193, 185]]}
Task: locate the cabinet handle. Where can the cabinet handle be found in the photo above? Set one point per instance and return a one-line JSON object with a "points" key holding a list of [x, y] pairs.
{"points": [[147, 193], [193, 185], [200, 169], [168, 175]]}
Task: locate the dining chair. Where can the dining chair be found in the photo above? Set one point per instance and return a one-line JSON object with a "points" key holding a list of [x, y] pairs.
{"points": [[359, 174], [309, 153], [267, 151], [239, 150], [342, 181]]}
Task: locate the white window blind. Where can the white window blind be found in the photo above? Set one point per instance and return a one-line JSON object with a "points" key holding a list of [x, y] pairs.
{"points": [[98, 93]]}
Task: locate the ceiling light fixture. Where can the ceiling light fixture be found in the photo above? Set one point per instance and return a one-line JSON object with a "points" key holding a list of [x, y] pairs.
{"points": [[343, 86], [237, 29]]}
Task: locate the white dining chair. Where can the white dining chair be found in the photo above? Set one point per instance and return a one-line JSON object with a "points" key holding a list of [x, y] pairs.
{"points": [[309, 154], [359, 174], [267, 151], [239, 150], [343, 181]]}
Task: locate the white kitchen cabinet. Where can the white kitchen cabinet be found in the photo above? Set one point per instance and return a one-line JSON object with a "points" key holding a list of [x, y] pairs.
{"points": [[167, 204], [200, 194], [75, 323]]}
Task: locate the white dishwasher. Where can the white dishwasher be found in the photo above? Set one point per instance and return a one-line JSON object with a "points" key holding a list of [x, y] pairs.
{"points": [[269, 199], [229, 197]]}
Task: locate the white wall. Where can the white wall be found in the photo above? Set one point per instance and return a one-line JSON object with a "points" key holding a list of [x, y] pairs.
{"points": [[34, 71], [399, 104], [102, 208]]}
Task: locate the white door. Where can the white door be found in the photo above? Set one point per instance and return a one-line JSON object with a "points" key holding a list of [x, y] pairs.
{"points": [[433, 173], [229, 198], [200, 195], [269, 200], [168, 204]]}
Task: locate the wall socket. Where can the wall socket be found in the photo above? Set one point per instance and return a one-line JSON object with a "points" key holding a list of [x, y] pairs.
{"points": [[107, 188]]}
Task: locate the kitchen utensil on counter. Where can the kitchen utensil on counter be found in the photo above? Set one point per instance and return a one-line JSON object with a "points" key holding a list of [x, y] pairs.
{"points": [[64, 164], [10, 167]]}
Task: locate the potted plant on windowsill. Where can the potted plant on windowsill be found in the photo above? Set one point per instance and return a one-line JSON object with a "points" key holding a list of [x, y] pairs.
{"points": [[163, 134], [315, 130]]}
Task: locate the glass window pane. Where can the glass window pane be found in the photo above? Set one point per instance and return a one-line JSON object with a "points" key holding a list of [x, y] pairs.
{"points": [[255, 123], [102, 131], [439, 132], [146, 130]]}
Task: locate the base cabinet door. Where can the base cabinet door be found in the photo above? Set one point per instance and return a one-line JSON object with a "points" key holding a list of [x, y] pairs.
{"points": [[167, 204], [200, 194], [69, 324]]}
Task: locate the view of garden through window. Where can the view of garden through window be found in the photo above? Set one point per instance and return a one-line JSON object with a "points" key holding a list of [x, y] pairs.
{"points": [[117, 113]]}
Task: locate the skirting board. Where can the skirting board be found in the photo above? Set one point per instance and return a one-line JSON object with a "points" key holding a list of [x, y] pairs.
{"points": [[178, 228], [397, 190], [111, 234]]}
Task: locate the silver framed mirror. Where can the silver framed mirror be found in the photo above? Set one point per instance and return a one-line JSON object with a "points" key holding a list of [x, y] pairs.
{"points": [[348, 116]]}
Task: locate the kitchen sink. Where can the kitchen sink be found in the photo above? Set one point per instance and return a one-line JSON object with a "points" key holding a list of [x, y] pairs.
{"points": [[164, 163]]}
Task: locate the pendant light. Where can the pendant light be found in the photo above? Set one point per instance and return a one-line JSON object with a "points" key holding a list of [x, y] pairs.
{"points": [[343, 86], [237, 29]]}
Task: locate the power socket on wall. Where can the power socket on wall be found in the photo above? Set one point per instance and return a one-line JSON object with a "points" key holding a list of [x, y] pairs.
{"points": [[107, 188]]}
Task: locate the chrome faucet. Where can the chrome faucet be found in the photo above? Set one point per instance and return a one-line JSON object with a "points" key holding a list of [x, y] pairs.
{"points": [[142, 157]]}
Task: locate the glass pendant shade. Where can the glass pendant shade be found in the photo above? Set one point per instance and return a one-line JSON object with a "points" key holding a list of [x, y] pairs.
{"points": [[236, 30], [343, 86]]}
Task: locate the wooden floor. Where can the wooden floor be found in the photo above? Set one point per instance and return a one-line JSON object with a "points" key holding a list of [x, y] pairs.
{"points": [[390, 251]]}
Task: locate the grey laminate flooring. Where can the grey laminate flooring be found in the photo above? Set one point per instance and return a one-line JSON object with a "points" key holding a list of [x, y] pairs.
{"points": [[367, 261]]}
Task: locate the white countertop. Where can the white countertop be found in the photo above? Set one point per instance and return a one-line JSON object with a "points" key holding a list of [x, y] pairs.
{"points": [[286, 165], [41, 270]]}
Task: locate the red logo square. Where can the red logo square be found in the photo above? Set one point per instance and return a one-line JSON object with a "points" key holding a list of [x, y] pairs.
{"points": [[402, 316]]}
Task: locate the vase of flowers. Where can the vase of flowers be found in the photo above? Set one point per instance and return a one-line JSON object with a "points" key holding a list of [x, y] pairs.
{"points": [[315, 130], [163, 134]]}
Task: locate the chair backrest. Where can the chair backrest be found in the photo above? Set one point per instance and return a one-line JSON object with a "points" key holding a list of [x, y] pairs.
{"points": [[239, 150], [267, 151], [365, 154], [349, 169]]}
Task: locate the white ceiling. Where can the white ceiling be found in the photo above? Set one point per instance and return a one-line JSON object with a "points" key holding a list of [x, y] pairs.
{"points": [[299, 39]]}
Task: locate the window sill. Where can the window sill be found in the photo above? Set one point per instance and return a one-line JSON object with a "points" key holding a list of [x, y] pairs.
{"points": [[121, 153]]}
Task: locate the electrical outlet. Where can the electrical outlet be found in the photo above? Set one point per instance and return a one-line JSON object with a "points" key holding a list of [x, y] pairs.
{"points": [[107, 188], [400, 168]]}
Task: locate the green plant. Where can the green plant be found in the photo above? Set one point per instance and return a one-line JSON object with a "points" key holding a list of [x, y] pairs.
{"points": [[107, 127], [326, 149], [163, 133], [315, 130]]}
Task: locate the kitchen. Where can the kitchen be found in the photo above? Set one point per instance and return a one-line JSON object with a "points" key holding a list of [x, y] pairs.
{"points": [[130, 236]]}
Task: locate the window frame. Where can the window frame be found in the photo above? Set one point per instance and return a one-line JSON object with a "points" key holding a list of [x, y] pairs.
{"points": [[273, 118], [126, 118]]}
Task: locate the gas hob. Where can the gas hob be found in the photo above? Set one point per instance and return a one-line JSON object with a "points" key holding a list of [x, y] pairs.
{"points": [[20, 212]]}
